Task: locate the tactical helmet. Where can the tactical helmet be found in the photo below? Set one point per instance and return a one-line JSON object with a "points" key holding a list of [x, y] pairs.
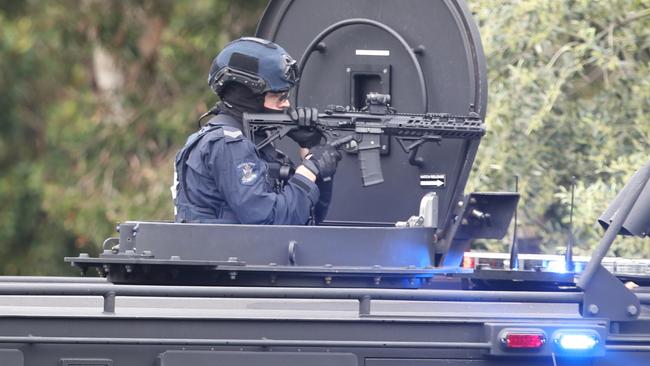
{"points": [[259, 64]]}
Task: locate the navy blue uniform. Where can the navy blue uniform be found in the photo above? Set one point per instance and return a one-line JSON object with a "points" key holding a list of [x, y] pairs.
{"points": [[221, 178]]}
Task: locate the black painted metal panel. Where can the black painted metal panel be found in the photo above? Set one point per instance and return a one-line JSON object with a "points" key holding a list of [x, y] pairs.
{"points": [[264, 244], [11, 357], [433, 61], [225, 358]]}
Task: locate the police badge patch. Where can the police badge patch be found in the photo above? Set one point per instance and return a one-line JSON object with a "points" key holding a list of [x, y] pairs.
{"points": [[247, 173]]}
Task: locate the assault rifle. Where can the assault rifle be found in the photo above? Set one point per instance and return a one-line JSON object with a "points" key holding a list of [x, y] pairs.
{"points": [[361, 131]]}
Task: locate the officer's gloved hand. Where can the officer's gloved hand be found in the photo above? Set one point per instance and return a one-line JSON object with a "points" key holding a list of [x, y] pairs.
{"points": [[306, 135], [322, 161]]}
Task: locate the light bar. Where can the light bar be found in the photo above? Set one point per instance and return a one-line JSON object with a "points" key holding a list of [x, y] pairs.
{"points": [[558, 266], [469, 262], [547, 339]]}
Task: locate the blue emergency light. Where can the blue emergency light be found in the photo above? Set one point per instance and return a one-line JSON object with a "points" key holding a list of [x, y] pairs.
{"points": [[576, 341]]}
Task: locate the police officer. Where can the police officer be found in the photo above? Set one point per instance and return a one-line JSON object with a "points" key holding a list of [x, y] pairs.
{"points": [[220, 176]]}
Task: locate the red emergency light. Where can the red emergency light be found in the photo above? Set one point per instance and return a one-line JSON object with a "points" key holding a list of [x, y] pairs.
{"points": [[469, 262], [522, 340]]}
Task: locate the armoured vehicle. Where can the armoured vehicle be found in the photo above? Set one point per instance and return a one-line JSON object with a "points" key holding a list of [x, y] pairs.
{"points": [[380, 282]]}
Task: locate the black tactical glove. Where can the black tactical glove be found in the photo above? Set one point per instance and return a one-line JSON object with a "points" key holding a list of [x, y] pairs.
{"points": [[322, 160], [306, 135]]}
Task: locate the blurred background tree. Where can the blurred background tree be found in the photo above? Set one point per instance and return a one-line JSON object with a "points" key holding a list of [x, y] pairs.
{"points": [[96, 98], [98, 95], [569, 96]]}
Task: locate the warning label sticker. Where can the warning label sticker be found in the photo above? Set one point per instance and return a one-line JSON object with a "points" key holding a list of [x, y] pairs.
{"points": [[433, 180]]}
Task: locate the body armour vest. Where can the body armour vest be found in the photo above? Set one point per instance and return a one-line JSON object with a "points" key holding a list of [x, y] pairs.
{"points": [[197, 198]]}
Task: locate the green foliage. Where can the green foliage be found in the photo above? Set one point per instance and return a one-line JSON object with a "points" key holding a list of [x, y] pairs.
{"points": [[98, 95], [102, 94], [569, 97]]}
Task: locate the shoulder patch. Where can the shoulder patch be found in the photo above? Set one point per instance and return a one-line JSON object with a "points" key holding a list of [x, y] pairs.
{"points": [[248, 173], [232, 134]]}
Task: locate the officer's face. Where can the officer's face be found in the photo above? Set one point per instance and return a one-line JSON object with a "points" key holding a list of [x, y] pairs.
{"points": [[276, 101]]}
